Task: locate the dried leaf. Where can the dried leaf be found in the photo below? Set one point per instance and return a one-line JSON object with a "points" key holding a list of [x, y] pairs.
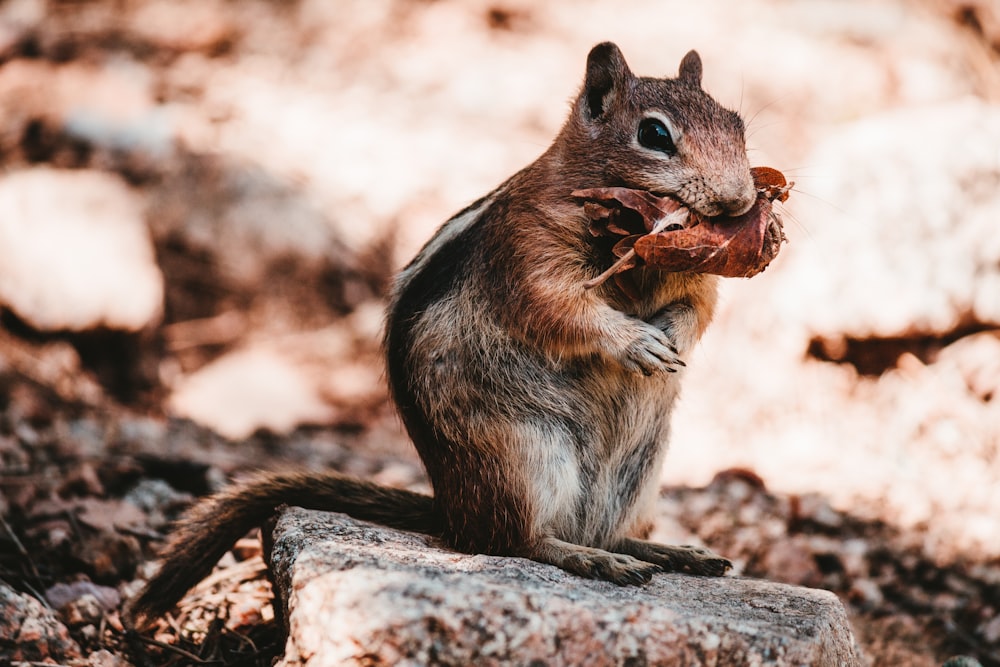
{"points": [[625, 246], [649, 206], [771, 183], [723, 246], [728, 246]]}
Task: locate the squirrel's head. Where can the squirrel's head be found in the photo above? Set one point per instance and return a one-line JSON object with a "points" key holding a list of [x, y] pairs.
{"points": [[664, 135]]}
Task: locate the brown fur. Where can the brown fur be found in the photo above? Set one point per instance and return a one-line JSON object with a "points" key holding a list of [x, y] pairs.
{"points": [[541, 410]]}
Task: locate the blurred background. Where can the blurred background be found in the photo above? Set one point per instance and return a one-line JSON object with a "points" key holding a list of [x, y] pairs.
{"points": [[202, 204]]}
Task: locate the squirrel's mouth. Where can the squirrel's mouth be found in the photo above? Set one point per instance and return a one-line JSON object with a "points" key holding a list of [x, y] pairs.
{"points": [[662, 233]]}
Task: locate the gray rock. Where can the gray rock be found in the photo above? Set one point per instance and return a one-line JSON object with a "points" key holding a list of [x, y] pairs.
{"points": [[355, 593], [30, 631]]}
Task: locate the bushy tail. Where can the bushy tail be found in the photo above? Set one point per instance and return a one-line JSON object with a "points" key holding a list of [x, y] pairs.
{"points": [[212, 526]]}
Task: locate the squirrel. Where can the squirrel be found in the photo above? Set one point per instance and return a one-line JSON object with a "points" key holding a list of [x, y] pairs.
{"points": [[541, 410]]}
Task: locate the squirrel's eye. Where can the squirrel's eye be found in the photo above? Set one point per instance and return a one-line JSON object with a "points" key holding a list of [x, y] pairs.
{"points": [[655, 135]]}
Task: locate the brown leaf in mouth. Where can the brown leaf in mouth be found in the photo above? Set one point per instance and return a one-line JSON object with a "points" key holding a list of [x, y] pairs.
{"points": [[659, 232], [771, 183], [648, 206]]}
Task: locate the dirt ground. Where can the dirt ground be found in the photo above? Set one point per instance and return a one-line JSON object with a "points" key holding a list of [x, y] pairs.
{"points": [[202, 205]]}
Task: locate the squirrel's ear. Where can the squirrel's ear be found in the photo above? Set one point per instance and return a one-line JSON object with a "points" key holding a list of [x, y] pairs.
{"points": [[690, 70], [607, 73]]}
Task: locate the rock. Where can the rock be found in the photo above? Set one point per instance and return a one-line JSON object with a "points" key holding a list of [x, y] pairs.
{"points": [[103, 658], [31, 632], [60, 595], [254, 227], [962, 661], [913, 220], [250, 389], [356, 593], [110, 106], [328, 376], [75, 252]]}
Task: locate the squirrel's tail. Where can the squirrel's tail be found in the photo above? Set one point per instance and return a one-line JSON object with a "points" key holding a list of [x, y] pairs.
{"points": [[213, 525]]}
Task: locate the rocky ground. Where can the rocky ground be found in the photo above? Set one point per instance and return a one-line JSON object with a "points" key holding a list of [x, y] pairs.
{"points": [[202, 205]]}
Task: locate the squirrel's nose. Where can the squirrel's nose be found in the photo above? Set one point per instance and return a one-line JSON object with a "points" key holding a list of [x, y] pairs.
{"points": [[741, 203]]}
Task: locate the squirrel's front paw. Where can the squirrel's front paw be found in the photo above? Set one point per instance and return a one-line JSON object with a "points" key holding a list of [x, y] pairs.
{"points": [[650, 351], [679, 322]]}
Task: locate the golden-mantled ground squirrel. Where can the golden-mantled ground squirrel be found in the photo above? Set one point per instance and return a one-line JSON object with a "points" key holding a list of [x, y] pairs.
{"points": [[541, 410]]}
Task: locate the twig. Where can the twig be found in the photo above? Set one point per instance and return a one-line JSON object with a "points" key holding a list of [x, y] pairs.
{"points": [[13, 537], [219, 330], [27, 559], [174, 649], [242, 638], [246, 570], [141, 533], [677, 217]]}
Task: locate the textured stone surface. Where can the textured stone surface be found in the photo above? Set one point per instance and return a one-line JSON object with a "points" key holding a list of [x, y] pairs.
{"points": [[29, 631], [355, 593]]}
